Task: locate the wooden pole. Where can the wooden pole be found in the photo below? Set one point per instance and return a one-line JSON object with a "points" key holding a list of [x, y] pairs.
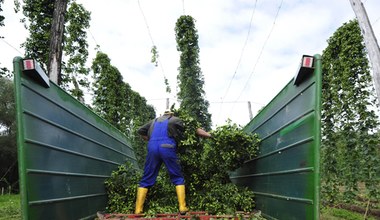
{"points": [[250, 110], [370, 42], [56, 41]]}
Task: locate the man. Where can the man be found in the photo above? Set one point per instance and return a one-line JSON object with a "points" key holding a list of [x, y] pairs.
{"points": [[163, 134]]}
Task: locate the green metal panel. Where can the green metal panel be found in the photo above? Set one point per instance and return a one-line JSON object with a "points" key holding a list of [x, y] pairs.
{"points": [[285, 174], [65, 152]]}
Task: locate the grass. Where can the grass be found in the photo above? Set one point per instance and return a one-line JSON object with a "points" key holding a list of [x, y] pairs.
{"points": [[341, 214], [10, 207]]}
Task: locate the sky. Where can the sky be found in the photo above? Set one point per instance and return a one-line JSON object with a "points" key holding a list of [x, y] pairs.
{"points": [[249, 49]]}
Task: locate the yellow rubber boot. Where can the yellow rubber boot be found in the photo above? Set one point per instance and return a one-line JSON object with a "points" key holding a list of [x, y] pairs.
{"points": [[140, 199], [180, 190]]}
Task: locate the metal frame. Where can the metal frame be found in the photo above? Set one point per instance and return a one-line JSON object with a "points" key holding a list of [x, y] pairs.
{"points": [[65, 151], [285, 174]]}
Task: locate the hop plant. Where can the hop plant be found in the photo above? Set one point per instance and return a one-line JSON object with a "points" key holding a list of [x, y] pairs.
{"points": [[206, 164]]}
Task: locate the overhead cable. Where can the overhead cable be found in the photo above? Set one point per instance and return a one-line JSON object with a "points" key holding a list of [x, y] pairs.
{"points": [[151, 38], [183, 6], [92, 36], [261, 52], [11, 46], [241, 55]]}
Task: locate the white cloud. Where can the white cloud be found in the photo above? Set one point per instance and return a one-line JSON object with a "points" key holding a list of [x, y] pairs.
{"points": [[118, 26]]}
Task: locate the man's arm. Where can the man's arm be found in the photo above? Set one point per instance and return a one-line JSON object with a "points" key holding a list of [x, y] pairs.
{"points": [[202, 133], [143, 131]]}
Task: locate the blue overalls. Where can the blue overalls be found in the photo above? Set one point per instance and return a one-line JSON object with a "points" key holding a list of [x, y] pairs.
{"points": [[161, 148]]}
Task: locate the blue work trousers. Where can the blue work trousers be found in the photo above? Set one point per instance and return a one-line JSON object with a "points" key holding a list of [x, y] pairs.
{"points": [[161, 148]]}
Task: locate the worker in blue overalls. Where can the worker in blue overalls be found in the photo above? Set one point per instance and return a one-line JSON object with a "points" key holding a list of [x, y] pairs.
{"points": [[162, 134]]}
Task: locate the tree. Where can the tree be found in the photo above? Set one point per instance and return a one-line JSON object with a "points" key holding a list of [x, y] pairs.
{"points": [[1, 16], [38, 20], [8, 149], [109, 91], [39, 14], [349, 146], [116, 102], [3, 71], [75, 71], [190, 79], [141, 113]]}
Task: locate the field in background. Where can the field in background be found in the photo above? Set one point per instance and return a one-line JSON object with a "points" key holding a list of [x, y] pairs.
{"points": [[342, 214], [10, 207]]}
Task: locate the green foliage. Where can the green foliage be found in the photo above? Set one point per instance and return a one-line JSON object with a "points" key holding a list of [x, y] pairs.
{"points": [[161, 197], [8, 149], [190, 78], [4, 72], [224, 154], [141, 113], [122, 185], [109, 91], [38, 20], [114, 99], [205, 165], [350, 152], [116, 102], [341, 214], [10, 207], [168, 90], [154, 55], [222, 198], [76, 49], [1, 16], [121, 189], [7, 105], [154, 60]]}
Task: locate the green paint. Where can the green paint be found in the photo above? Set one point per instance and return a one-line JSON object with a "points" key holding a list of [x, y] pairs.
{"points": [[20, 137], [295, 125], [65, 152], [285, 174], [318, 109]]}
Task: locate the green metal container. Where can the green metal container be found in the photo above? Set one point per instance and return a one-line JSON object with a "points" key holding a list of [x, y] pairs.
{"points": [[285, 174], [65, 151]]}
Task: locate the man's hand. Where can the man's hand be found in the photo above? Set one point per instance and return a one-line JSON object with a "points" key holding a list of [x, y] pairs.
{"points": [[203, 133]]}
